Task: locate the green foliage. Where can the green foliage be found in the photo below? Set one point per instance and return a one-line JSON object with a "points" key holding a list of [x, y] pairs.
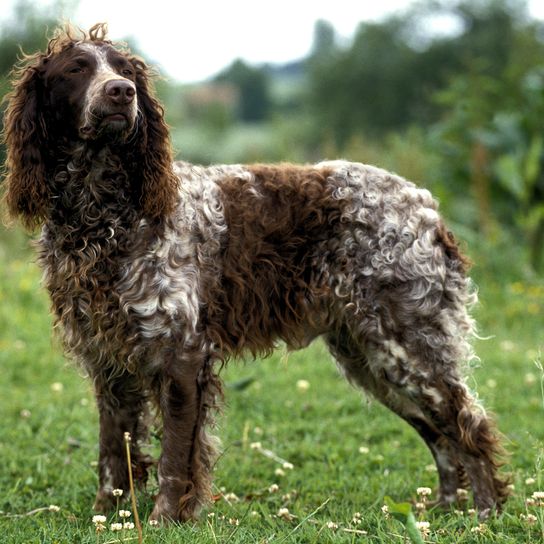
{"points": [[491, 145], [385, 79], [24, 32]]}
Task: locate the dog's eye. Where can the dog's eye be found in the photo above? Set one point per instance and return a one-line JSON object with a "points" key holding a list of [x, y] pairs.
{"points": [[127, 72], [76, 70]]}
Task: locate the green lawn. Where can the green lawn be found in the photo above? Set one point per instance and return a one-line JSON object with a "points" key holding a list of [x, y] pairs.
{"points": [[346, 453]]}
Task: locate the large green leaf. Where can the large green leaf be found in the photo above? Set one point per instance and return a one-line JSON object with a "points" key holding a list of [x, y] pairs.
{"points": [[403, 512], [509, 172]]}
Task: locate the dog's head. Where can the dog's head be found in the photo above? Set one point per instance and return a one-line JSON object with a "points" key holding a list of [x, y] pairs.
{"points": [[90, 89], [83, 89]]}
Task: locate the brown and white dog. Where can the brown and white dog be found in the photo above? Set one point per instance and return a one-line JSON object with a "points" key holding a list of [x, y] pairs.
{"points": [[159, 269]]}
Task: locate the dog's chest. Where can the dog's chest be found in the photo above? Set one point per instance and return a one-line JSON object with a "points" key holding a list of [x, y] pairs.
{"points": [[158, 289], [114, 304]]}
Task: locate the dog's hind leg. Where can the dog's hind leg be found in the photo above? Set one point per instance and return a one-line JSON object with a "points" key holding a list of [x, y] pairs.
{"points": [[355, 366], [421, 383]]}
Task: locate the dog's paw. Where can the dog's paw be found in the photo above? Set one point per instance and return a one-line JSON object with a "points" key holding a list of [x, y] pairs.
{"points": [[105, 502]]}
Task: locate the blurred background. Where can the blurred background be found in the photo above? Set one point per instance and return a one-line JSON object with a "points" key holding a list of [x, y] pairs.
{"points": [[448, 94]]}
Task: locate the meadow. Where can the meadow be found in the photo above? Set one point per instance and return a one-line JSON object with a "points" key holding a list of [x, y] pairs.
{"points": [[305, 457]]}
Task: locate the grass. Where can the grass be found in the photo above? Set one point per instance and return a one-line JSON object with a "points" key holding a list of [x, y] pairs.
{"points": [[347, 454]]}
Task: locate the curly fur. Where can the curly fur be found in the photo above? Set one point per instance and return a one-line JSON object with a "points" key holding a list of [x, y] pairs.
{"points": [[157, 270]]}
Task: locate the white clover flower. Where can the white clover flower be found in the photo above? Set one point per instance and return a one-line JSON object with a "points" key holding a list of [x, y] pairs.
{"points": [[479, 529], [279, 472], [234, 521], [117, 492], [128, 525], [231, 497], [288, 466], [507, 345], [274, 488], [285, 514], [424, 491], [423, 526], [539, 495], [57, 387], [462, 493], [303, 385], [256, 446], [25, 414], [155, 523], [364, 450], [530, 519], [99, 519], [124, 514], [54, 508], [332, 525], [116, 526]]}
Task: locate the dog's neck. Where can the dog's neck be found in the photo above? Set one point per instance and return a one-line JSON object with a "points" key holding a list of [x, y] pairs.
{"points": [[93, 198]]}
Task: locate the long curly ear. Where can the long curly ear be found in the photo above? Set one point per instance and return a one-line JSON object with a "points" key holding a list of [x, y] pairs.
{"points": [[25, 190], [158, 183]]}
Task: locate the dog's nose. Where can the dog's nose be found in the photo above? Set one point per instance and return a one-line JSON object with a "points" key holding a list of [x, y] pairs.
{"points": [[120, 91]]}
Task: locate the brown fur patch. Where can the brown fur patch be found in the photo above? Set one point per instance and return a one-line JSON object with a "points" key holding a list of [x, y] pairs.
{"points": [[267, 288], [453, 253]]}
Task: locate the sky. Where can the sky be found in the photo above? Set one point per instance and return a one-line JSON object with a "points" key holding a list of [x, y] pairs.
{"points": [[192, 41]]}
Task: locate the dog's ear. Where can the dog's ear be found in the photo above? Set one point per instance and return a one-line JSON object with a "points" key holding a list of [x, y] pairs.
{"points": [[158, 183], [25, 189]]}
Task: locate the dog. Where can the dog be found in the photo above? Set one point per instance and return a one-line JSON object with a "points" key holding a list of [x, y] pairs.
{"points": [[159, 270]]}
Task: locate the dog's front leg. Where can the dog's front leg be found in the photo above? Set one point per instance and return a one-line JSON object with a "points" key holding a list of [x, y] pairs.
{"points": [[121, 407], [186, 391]]}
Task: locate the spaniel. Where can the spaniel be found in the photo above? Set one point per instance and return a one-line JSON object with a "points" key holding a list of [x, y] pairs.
{"points": [[160, 271]]}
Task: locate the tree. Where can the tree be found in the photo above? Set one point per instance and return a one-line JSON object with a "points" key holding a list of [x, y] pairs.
{"points": [[490, 137], [386, 78], [253, 88]]}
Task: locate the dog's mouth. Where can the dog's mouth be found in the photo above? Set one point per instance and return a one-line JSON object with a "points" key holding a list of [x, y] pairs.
{"points": [[115, 124], [114, 118]]}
